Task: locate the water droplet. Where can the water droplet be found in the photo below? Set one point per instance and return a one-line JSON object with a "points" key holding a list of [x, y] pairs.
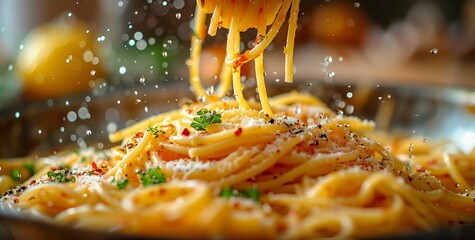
{"points": [[178, 15], [389, 96], [88, 132], [87, 56], [277, 80], [356, 4], [61, 129], [70, 14], [118, 101], [122, 70], [145, 109], [40, 131], [202, 99], [331, 74], [138, 35], [10, 67], [120, 4], [210, 90], [21, 47], [141, 45], [17, 115], [66, 103], [309, 84], [340, 59], [164, 54], [424, 140], [93, 72], [101, 38], [380, 98], [434, 51], [349, 94], [142, 79], [72, 116]]}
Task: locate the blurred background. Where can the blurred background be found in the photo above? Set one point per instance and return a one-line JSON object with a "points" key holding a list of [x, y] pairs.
{"points": [[76, 70], [52, 48]]}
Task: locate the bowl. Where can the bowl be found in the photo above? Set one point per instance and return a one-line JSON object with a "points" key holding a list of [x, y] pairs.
{"points": [[42, 128]]}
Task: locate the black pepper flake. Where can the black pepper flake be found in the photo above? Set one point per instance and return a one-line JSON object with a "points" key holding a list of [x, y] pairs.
{"points": [[316, 143], [271, 121], [323, 135], [409, 178], [319, 126]]}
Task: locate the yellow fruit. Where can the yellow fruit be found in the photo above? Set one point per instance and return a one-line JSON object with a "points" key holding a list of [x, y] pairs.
{"points": [[57, 59]]}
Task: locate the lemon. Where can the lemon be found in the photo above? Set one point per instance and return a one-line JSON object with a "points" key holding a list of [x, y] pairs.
{"points": [[57, 59]]}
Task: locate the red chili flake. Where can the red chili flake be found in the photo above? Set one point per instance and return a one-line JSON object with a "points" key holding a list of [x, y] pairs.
{"points": [[236, 205], [16, 200], [94, 165], [185, 132], [32, 182], [238, 132], [139, 134]]}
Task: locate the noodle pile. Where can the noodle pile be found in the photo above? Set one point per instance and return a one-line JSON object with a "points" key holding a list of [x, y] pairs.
{"points": [[285, 167]]}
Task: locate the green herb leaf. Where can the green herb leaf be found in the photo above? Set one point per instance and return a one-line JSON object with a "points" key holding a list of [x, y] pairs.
{"points": [[156, 132], [153, 176], [252, 193], [122, 184], [30, 167], [61, 176], [15, 174], [205, 117]]}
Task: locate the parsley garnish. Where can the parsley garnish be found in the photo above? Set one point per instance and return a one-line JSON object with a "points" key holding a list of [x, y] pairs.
{"points": [[61, 176], [155, 131], [121, 184], [15, 174], [252, 193], [153, 176], [205, 118], [30, 167]]}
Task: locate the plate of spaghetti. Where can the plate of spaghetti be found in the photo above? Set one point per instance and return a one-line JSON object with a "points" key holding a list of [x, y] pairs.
{"points": [[296, 165]]}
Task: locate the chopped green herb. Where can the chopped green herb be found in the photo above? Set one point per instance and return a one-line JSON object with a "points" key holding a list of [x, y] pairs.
{"points": [[61, 176], [252, 193], [121, 184], [30, 167], [75, 151], [153, 176], [15, 174], [82, 160], [205, 118], [155, 131]]}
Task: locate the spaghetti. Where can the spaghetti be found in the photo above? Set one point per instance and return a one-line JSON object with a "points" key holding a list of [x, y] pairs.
{"points": [[216, 168]]}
